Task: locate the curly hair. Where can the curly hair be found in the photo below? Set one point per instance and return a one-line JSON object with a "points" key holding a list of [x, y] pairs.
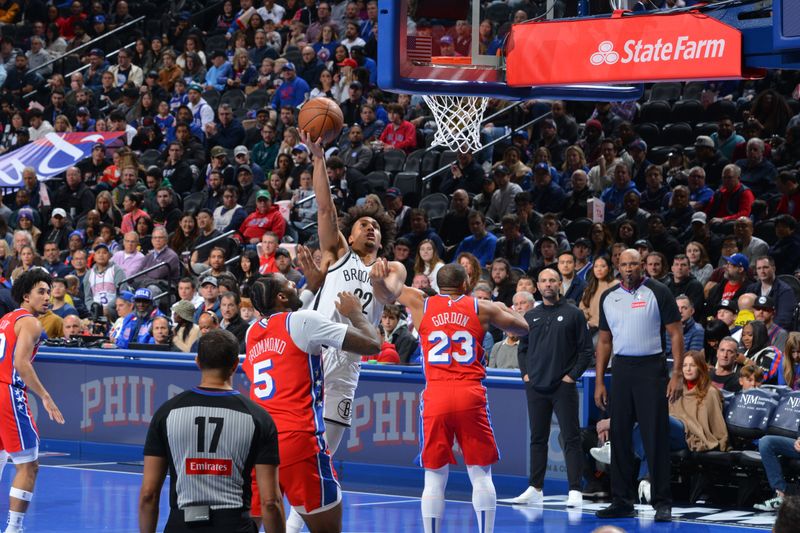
{"points": [[384, 220]]}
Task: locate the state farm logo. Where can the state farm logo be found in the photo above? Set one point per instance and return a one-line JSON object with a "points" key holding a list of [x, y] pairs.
{"points": [[639, 51], [605, 54]]}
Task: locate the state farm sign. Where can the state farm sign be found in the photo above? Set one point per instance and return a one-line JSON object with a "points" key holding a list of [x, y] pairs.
{"points": [[639, 48]]}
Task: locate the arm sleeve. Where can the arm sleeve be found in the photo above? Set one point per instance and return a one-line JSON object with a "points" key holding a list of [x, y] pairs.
{"points": [[522, 351], [155, 444], [584, 346], [311, 331]]}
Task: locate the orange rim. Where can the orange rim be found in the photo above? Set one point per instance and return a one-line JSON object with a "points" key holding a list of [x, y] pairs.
{"points": [[451, 60]]}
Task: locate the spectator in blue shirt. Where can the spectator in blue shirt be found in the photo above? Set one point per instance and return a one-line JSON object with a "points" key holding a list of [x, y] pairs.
{"points": [[481, 243], [693, 333], [357, 53], [293, 91], [546, 195], [513, 245], [699, 193], [136, 326], [614, 194], [726, 138], [217, 76], [227, 131]]}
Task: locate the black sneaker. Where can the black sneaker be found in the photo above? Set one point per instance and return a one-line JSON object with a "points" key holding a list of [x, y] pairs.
{"points": [[616, 510], [595, 489], [663, 513]]}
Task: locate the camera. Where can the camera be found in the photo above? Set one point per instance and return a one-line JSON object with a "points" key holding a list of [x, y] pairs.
{"points": [[99, 320]]}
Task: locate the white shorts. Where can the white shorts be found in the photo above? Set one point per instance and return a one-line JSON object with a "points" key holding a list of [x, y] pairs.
{"points": [[341, 380]]}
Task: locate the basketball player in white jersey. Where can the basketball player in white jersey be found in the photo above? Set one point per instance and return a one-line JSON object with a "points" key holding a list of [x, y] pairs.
{"points": [[347, 256]]}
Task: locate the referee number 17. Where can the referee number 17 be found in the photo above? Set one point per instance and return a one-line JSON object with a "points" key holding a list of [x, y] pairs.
{"points": [[201, 422]]}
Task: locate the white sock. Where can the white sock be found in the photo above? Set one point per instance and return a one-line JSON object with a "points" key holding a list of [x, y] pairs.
{"points": [[295, 523], [333, 436], [433, 498], [15, 522], [484, 497]]}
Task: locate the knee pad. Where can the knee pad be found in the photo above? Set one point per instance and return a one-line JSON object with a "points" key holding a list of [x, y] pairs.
{"points": [[484, 496]]}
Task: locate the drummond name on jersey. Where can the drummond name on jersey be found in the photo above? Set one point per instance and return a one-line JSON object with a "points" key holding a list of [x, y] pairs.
{"points": [[450, 318], [270, 344]]}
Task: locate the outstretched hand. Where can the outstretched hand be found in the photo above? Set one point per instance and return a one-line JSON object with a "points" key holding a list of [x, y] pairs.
{"points": [[348, 304], [315, 147], [314, 276]]}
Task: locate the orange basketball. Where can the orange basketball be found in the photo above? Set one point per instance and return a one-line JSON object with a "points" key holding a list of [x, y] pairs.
{"points": [[321, 117]]}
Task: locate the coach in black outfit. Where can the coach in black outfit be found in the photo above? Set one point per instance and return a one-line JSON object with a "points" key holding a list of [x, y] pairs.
{"points": [[211, 437], [633, 317], [552, 357]]}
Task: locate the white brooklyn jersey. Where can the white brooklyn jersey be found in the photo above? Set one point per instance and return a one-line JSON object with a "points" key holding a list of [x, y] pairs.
{"points": [[348, 274]]}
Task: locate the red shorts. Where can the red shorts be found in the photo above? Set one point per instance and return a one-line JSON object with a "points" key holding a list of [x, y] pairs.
{"points": [[457, 409], [17, 429], [309, 485]]}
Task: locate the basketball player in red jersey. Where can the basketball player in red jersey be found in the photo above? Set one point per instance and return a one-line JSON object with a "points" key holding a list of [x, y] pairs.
{"points": [[20, 335], [285, 370], [451, 327]]}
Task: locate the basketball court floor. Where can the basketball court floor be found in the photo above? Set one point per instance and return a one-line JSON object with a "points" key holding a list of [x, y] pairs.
{"points": [[94, 497]]}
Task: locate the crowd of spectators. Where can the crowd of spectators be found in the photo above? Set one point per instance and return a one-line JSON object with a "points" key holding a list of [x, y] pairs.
{"points": [[207, 101]]}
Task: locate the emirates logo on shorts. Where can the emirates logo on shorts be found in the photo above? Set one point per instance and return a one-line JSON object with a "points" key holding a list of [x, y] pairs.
{"points": [[605, 54]]}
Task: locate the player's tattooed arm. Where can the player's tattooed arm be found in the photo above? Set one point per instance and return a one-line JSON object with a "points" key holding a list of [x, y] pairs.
{"points": [[388, 279], [362, 338]]}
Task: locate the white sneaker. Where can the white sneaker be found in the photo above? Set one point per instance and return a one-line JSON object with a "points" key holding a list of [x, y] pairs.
{"points": [[770, 505], [644, 491], [531, 496], [574, 499], [602, 454]]}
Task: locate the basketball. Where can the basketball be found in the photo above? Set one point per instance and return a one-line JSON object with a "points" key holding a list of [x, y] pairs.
{"points": [[321, 117]]}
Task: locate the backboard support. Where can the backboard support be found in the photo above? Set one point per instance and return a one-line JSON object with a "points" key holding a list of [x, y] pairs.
{"points": [[410, 34]]}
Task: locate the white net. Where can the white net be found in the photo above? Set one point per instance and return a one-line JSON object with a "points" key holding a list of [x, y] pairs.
{"points": [[458, 119]]}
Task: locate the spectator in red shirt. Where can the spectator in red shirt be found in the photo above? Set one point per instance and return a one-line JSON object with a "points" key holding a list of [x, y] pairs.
{"points": [[399, 133], [789, 204], [266, 217], [266, 253], [732, 200]]}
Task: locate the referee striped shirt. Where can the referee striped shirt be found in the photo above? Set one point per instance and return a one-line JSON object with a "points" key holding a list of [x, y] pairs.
{"points": [[636, 317], [212, 439]]}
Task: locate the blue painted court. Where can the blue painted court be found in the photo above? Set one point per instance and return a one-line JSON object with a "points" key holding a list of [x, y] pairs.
{"points": [[103, 496]]}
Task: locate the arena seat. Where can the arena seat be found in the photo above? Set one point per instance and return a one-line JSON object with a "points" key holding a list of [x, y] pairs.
{"points": [[408, 183], [687, 111], [705, 128], [657, 111], [435, 205], [793, 282], [390, 160], [719, 109], [669, 91], [765, 230], [150, 157], [649, 132], [658, 155], [430, 162], [378, 181], [413, 160], [498, 12], [577, 229], [678, 133], [233, 97], [256, 100], [447, 157], [211, 96], [693, 90]]}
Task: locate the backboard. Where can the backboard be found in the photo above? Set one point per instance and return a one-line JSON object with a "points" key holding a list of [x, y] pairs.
{"points": [[417, 40]]}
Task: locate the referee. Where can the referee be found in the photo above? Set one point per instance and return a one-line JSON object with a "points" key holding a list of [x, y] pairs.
{"points": [[633, 317], [211, 437], [552, 357]]}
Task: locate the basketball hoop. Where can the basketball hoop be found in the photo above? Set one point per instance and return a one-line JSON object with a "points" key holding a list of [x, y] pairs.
{"points": [[458, 118]]}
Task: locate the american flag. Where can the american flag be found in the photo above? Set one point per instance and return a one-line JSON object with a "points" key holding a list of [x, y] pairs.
{"points": [[420, 48]]}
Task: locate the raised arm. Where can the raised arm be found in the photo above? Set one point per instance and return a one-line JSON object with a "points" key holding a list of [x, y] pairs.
{"points": [[331, 240], [388, 280], [504, 318]]}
